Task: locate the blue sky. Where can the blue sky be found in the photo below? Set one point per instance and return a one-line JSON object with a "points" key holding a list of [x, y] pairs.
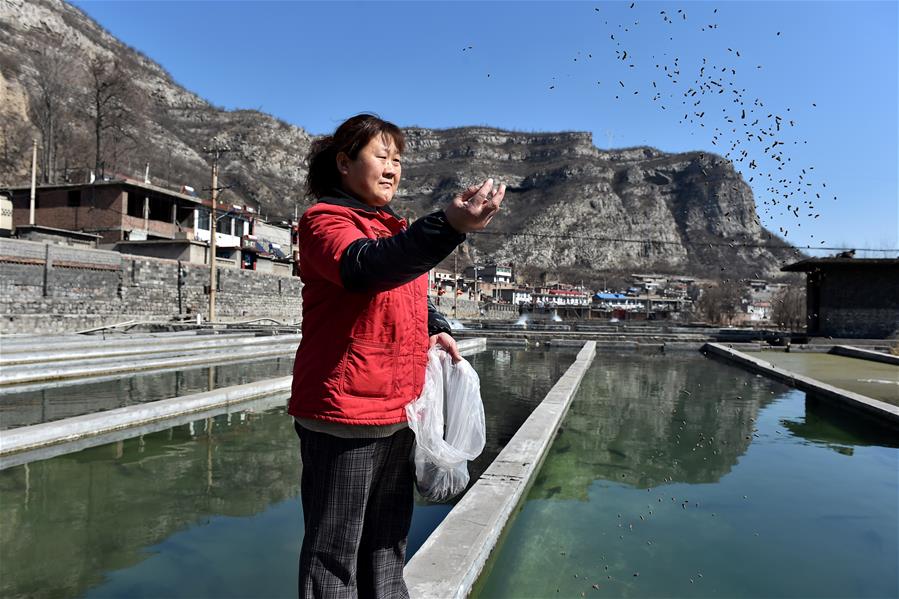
{"points": [[829, 67]]}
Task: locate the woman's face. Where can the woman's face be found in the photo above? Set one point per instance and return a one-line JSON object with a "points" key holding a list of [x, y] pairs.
{"points": [[374, 175]]}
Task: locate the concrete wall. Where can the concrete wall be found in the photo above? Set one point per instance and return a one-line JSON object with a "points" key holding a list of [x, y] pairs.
{"points": [[47, 288], [469, 309], [170, 251], [855, 303], [48, 237]]}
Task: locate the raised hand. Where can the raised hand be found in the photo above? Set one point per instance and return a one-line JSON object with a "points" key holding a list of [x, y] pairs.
{"points": [[473, 209]]}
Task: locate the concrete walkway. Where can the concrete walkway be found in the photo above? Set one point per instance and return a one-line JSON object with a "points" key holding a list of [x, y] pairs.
{"points": [[864, 354], [451, 560], [134, 348], [89, 425], [126, 365], [883, 412]]}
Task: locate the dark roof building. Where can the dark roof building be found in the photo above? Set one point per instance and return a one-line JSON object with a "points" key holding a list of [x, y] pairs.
{"points": [[125, 210], [851, 297]]}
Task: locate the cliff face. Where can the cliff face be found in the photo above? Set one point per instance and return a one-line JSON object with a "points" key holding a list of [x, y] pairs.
{"points": [[569, 204]]}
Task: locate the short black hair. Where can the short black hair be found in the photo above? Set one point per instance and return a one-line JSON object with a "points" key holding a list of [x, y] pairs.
{"points": [[350, 137]]}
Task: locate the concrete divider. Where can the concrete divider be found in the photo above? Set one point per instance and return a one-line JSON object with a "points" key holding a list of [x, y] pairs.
{"points": [[19, 445], [90, 425], [13, 343], [501, 342], [132, 364], [136, 348], [675, 346], [883, 412], [471, 346], [864, 354], [451, 560], [45, 452]]}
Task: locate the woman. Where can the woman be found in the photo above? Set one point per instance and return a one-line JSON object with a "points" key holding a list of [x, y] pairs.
{"points": [[367, 327]]}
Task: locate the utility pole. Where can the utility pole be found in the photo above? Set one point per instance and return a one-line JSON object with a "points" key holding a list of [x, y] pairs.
{"points": [[455, 285], [216, 153], [33, 180], [477, 304]]}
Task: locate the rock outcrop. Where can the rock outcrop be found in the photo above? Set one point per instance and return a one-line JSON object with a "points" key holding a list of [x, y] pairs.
{"points": [[569, 204]]}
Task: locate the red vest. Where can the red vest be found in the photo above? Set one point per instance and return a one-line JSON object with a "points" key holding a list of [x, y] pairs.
{"points": [[363, 354]]}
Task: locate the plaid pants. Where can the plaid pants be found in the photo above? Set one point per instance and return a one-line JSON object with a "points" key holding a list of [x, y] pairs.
{"points": [[357, 508]]}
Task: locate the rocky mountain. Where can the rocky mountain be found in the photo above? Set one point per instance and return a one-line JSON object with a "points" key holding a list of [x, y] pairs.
{"points": [[571, 208]]}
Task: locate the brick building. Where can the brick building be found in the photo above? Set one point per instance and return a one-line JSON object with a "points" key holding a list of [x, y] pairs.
{"points": [[138, 218], [851, 297], [122, 210]]}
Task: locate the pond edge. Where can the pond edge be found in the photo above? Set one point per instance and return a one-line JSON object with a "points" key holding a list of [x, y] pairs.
{"points": [[453, 557], [882, 412]]}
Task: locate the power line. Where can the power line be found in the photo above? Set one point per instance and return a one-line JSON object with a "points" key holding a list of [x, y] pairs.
{"points": [[668, 242]]}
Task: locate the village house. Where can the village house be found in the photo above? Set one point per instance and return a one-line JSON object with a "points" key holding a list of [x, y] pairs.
{"points": [[496, 274], [665, 285], [637, 307], [611, 302], [516, 296], [561, 295], [139, 218], [758, 311]]}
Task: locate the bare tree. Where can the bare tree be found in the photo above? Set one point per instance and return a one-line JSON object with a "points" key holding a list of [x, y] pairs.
{"points": [[54, 82], [788, 308], [110, 96], [722, 302]]}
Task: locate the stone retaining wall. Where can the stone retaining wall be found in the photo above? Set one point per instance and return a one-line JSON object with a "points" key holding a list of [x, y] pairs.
{"points": [[466, 309], [46, 288]]}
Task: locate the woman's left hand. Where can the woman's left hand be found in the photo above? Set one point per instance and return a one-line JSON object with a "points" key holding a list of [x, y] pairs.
{"points": [[446, 341]]}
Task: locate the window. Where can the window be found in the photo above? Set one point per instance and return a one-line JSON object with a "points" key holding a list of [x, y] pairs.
{"points": [[135, 205], [160, 208], [202, 219], [224, 225], [73, 199]]}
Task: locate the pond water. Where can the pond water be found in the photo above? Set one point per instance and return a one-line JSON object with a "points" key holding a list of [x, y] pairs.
{"points": [[874, 379], [73, 398], [207, 509], [685, 477]]}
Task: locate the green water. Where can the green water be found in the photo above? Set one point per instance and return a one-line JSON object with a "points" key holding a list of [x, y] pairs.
{"points": [[874, 379], [67, 400], [207, 509], [684, 477]]}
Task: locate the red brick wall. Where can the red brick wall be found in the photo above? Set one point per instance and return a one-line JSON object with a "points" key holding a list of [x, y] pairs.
{"points": [[100, 210]]}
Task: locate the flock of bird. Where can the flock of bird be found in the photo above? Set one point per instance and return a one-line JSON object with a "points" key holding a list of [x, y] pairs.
{"points": [[757, 139]]}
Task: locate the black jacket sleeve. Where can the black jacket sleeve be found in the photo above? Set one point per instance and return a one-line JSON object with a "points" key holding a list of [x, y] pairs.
{"points": [[380, 264], [437, 322]]}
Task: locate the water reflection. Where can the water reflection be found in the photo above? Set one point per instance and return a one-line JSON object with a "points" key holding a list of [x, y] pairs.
{"points": [[68, 520], [56, 403], [513, 383], [742, 488], [831, 426], [651, 420], [208, 508]]}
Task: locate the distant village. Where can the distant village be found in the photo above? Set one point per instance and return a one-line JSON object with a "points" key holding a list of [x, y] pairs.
{"points": [[138, 218]]}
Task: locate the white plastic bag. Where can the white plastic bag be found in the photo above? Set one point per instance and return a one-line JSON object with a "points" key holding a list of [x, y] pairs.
{"points": [[449, 427]]}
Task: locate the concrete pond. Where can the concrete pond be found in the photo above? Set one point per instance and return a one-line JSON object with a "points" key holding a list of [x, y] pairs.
{"points": [[680, 476], [606, 473], [207, 508], [873, 379]]}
